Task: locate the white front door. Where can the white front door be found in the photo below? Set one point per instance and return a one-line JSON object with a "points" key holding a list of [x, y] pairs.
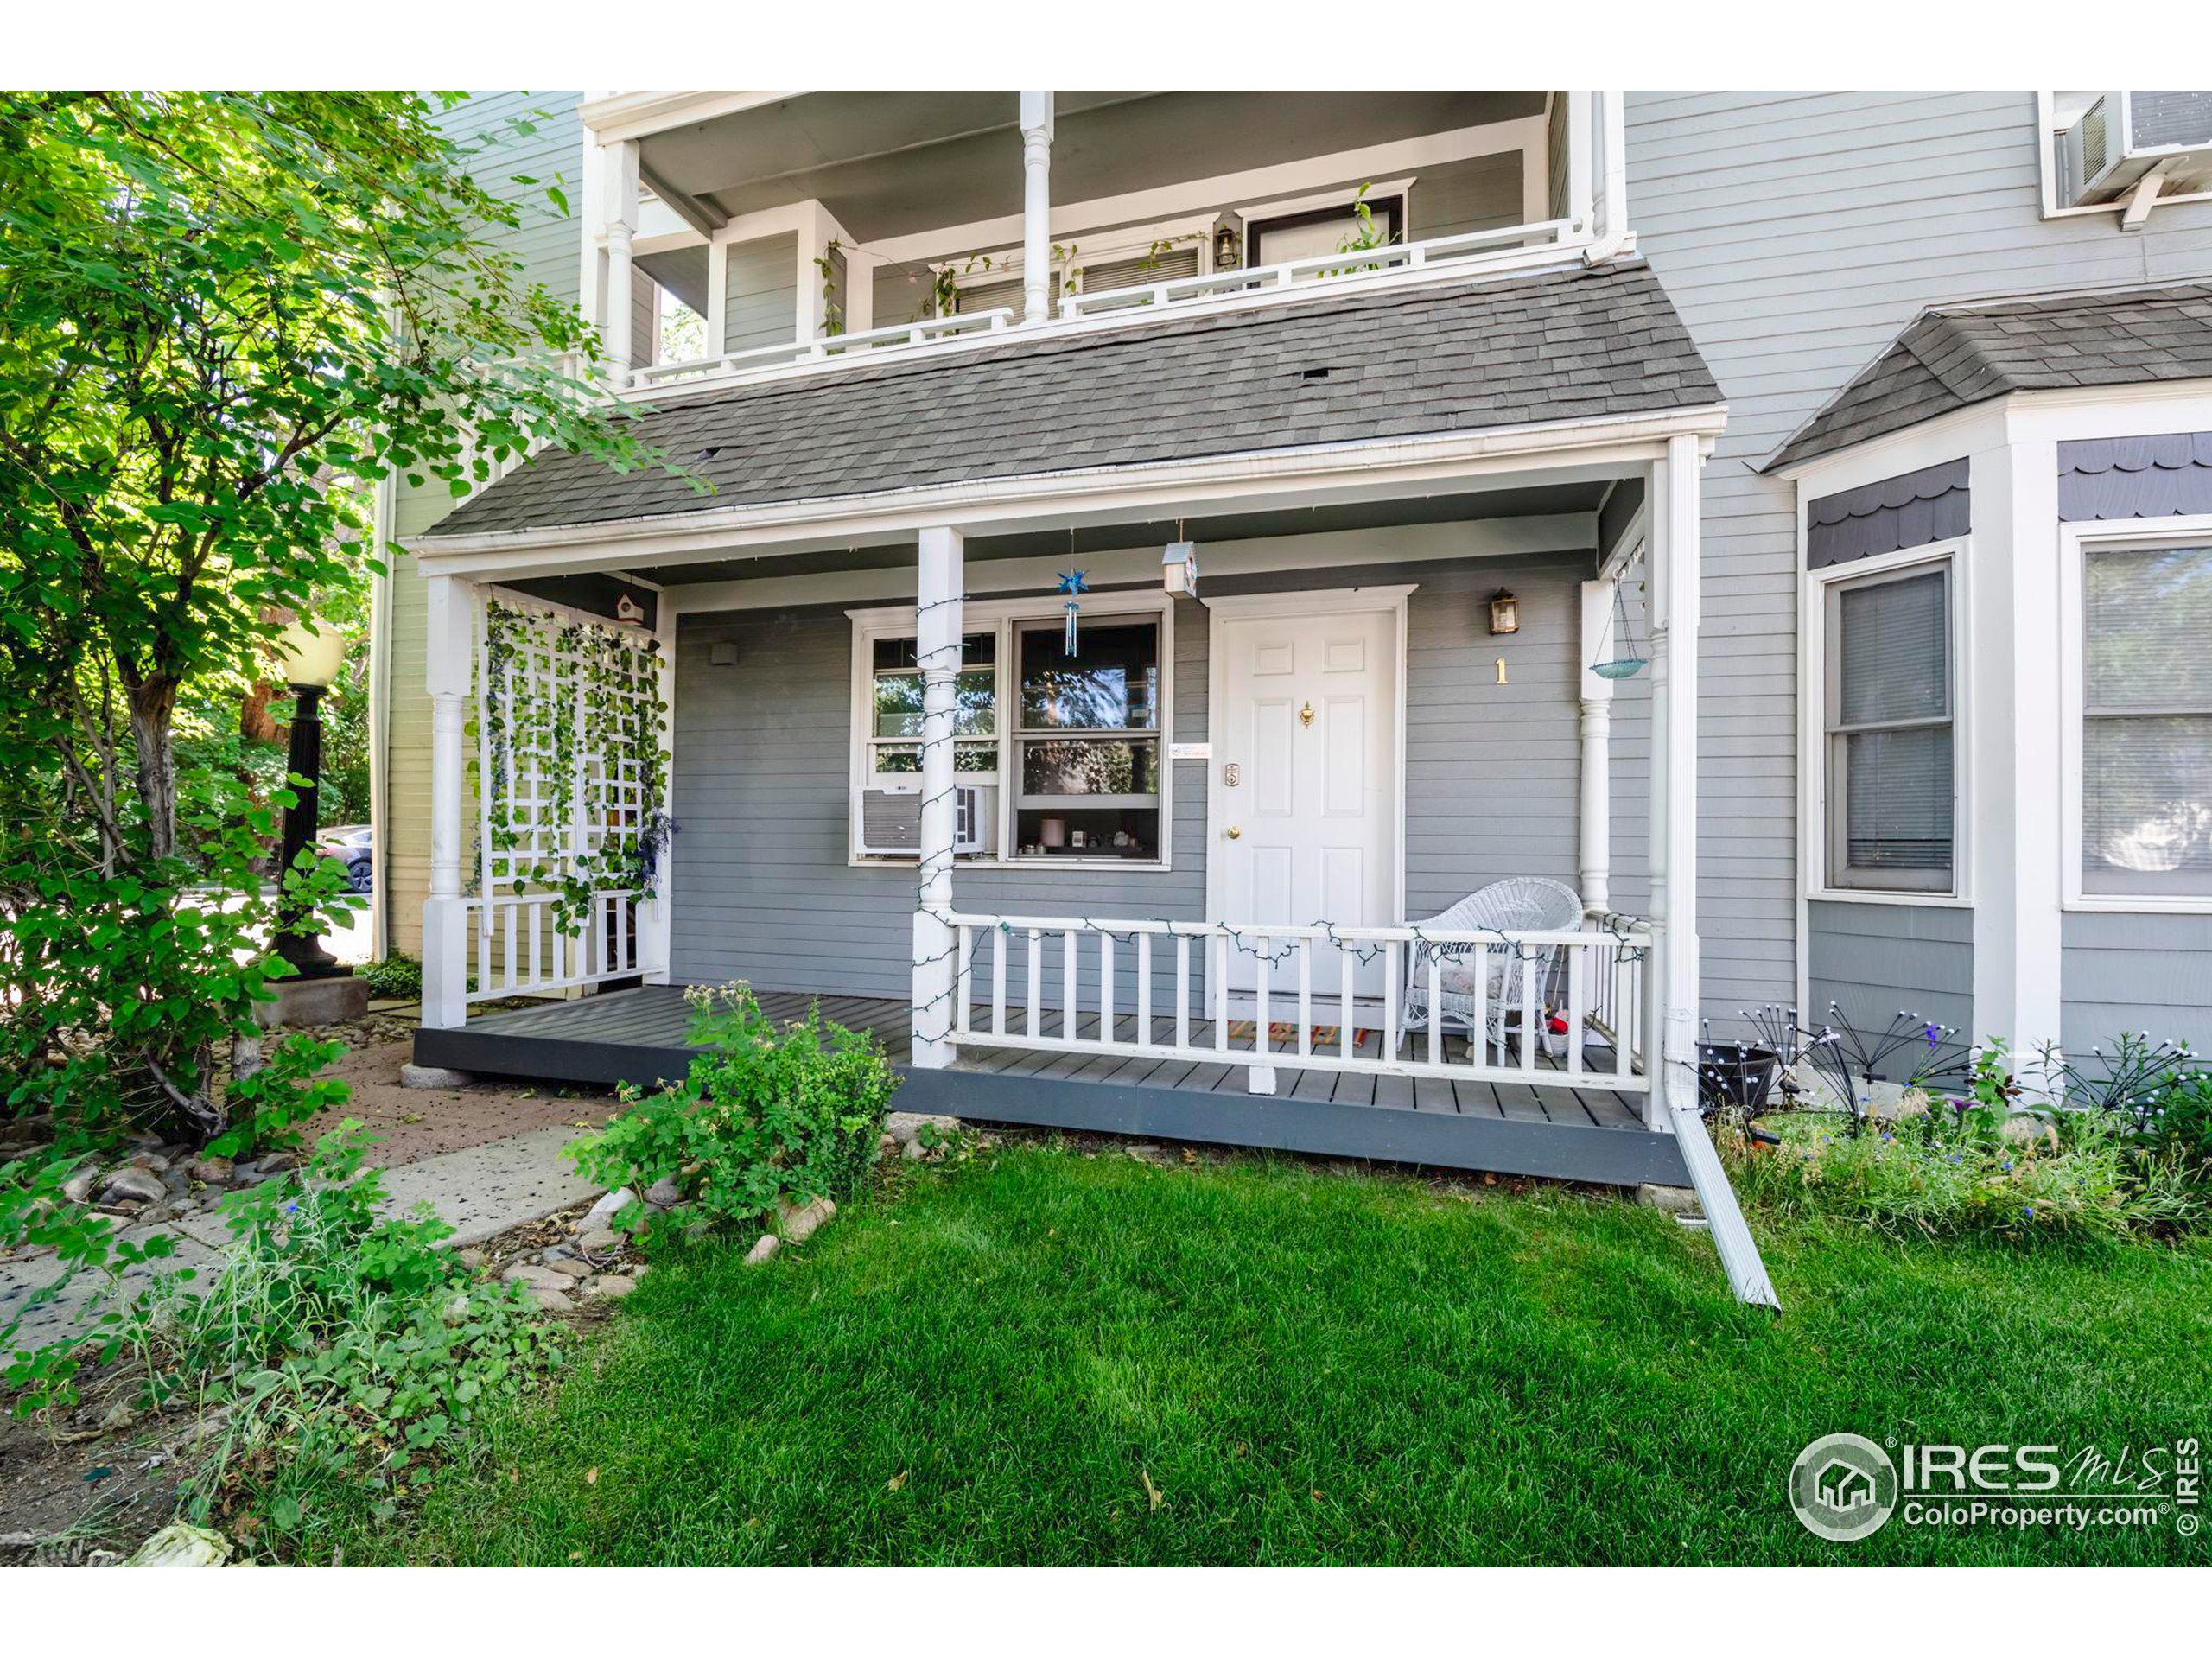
{"points": [[1306, 786]]}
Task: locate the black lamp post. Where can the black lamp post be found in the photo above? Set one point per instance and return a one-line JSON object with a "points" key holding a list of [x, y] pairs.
{"points": [[310, 660]]}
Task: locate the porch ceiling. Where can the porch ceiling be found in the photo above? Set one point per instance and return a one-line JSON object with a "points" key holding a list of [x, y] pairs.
{"points": [[1556, 345], [887, 163], [1086, 541]]}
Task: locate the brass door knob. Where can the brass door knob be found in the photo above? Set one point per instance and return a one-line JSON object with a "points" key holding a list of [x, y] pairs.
{"points": [[1234, 832]]}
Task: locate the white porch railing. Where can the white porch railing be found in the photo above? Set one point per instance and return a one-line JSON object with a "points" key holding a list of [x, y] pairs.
{"points": [[522, 949], [865, 343], [1175, 977], [1317, 268], [1616, 1002]]}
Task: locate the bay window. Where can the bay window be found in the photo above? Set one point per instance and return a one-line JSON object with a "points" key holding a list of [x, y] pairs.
{"points": [[2147, 720], [1891, 739]]}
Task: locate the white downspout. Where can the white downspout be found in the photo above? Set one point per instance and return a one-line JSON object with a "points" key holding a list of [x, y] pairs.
{"points": [[1675, 582]]}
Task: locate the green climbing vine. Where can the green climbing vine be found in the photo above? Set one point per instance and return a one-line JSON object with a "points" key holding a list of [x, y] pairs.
{"points": [[597, 716]]}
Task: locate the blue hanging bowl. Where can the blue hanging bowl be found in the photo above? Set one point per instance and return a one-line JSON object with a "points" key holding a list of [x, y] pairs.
{"points": [[1621, 668]]}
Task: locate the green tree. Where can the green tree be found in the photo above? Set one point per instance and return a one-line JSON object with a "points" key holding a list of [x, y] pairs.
{"points": [[224, 317]]}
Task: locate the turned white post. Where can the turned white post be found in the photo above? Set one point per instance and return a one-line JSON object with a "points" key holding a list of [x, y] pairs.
{"points": [[937, 646], [1593, 866], [1673, 582], [656, 913], [452, 657], [619, 230], [1036, 206]]}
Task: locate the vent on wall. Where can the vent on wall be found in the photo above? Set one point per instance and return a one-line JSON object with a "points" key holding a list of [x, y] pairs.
{"points": [[2118, 139]]}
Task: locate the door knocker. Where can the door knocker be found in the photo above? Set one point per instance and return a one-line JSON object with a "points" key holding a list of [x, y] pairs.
{"points": [[1306, 716]]}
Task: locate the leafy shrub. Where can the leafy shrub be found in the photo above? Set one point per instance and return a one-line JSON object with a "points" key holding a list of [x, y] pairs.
{"points": [[394, 976], [2178, 1121], [333, 1337], [764, 1115]]}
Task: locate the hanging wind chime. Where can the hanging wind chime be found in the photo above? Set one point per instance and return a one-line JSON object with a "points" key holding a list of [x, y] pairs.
{"points": [[1072, 582], [1625, 663]]}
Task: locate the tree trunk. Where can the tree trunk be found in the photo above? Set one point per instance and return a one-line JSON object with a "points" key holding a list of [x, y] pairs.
{"points": [[153, 725]]}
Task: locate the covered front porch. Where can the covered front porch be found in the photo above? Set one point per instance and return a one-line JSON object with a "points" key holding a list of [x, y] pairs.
{"points": [[1216, 865], [1567, 1129]]}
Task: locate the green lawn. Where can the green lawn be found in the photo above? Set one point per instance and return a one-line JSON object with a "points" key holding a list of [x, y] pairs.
{"points": [[1309, 1367]]}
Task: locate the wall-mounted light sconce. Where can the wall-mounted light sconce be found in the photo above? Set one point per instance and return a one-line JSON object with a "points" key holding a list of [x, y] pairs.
{"points": [[722, 653], [1228, 246], [1504, 613], [1178, 568]]}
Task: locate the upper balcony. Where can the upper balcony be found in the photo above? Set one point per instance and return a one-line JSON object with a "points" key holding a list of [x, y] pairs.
{"points": [[758, 235]]}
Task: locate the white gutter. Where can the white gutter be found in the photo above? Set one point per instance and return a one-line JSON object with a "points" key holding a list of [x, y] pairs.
{"points": [[1100, 493]]}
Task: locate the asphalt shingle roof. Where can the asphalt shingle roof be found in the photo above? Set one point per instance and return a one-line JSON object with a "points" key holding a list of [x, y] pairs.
{"points": [[1551, 346], [1953, 356]]}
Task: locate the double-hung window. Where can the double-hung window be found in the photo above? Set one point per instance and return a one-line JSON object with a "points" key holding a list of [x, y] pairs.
{"points": [[1072, 740], [895, 727], [2147, 720], [1887, 717]]}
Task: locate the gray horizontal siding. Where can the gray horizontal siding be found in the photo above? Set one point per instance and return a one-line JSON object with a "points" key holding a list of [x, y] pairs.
{"points": [[2124, 972], [1798, 234], [760, 285], [1873, 962], [1480, 194], [764, 892]]}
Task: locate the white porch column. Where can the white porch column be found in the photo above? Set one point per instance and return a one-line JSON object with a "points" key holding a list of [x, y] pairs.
{"points": [[1594, 864], [451, 661], [1036, 206], [937, 645], [618, 229], [656, 920], [1673, 582]]}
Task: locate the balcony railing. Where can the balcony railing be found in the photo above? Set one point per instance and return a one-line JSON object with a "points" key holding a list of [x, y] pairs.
{"points": [[1437, 259]]}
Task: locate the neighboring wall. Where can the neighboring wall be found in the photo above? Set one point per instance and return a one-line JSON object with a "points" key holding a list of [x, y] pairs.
{"points": [[763, 888], [548, 248], [1797, 235]]}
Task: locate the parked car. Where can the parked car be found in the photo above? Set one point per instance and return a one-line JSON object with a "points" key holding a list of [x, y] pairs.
{"points": [[352, 844]]}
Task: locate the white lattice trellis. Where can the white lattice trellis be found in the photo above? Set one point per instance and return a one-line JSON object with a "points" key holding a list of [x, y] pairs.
{"points": [[570, 776]]}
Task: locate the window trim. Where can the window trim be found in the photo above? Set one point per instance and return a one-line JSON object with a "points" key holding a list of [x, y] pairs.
{"points": [[1002, 617], [1262, 216], [2075, 542], [1823, 814]]}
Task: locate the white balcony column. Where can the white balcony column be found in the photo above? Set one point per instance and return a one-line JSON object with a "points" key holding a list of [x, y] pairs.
{"points": [[1594, 864], [1036, 206], [452, 659], [938, 589], [618, 234], [1580, 131], [1674, 576]]}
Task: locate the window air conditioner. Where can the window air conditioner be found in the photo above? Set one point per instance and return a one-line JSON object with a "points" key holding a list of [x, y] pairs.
{"points": [[891, 820], [2122, 136]]}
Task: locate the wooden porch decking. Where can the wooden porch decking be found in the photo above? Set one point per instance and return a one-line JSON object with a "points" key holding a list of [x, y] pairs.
{"points": [[1575, 1133]]}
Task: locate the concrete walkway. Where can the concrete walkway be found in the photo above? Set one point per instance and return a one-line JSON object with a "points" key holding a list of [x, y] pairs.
{"points": [[482, 1191]]}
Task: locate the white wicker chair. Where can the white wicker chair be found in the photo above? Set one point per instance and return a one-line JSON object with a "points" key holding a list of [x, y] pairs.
{"points": [[1519, 903]]}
